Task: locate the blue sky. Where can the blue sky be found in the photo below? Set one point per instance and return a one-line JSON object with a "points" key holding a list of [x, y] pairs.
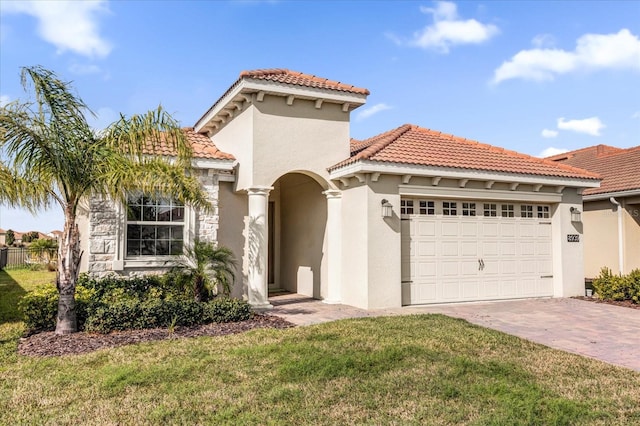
{"points": [[535, 77]]}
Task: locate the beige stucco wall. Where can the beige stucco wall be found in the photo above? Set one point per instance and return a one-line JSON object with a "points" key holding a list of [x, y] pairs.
{"points": [[600, 237], [371, 245], [631, 226], [302, 221], [271, 138], [600, 220], [568, 257]]}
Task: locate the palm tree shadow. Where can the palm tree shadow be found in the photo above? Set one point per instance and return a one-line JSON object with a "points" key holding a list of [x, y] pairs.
{"points": [[10, 294]]}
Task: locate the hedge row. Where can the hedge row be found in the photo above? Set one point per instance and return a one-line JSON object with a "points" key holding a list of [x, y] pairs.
{"points": [[116, 303], [609, 286]]}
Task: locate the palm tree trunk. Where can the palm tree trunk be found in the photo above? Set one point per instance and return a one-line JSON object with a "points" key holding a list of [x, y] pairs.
{"points": [[68, 269]]}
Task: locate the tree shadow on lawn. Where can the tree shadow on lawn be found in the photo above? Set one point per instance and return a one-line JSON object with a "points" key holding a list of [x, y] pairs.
{"points": [[10, 294]]}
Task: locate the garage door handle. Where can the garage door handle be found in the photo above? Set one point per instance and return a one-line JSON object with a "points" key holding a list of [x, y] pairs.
{"points": [[546, 276], [480, 264]]}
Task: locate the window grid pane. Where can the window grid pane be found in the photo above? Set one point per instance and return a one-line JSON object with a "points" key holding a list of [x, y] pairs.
{"points": [[507, 210], [427, 207], [543, 212], [526, 211], [449, 208], [155, 226], [490, 210], [406, 207], [468, 209]]}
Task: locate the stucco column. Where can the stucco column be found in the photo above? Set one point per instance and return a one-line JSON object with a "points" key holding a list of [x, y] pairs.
{"points": [[257, 247], [334, 245]]}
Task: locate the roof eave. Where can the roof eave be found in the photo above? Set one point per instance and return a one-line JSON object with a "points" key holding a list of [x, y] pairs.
{"points": [[364, 167], [607, 195]]}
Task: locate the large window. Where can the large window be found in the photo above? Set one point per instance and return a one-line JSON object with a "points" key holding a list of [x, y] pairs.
{"points": [[155, 226]]}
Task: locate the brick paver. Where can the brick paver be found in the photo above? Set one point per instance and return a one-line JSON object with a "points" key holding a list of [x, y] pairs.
{"points": [[605, 332]]}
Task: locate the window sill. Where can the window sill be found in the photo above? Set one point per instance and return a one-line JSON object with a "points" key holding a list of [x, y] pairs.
{"points": [[150, 262]]}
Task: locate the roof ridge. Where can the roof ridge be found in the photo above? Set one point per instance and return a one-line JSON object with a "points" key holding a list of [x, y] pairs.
{"points": [[266, 72], [580, 150], [384, 140], [512, 153]]}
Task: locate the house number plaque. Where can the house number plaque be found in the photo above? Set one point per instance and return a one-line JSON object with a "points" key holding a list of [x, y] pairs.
{"points": [[573, 238]]}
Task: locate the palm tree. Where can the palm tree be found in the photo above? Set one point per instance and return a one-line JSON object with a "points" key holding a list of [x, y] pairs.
{"points": [[50, 155], [204, 269]]}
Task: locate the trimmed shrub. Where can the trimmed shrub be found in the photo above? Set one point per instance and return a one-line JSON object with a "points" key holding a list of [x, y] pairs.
{"points": [[634, 286], [116, 303], [227, 310], [610, 286], [39, 307]]}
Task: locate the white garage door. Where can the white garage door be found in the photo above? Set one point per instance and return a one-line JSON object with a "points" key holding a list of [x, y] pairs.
{"points": [[457, 251]]}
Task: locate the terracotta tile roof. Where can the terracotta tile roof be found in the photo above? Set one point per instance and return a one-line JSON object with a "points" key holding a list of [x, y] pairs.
{"points": [[619, 168], [201, 145], [410, 144], [281, 75]]}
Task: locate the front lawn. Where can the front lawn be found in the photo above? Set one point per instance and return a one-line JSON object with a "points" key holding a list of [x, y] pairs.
{"points": [[422, 369]]}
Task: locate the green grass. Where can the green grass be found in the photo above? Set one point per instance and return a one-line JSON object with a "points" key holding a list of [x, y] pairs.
{"points": [[423, 369]]}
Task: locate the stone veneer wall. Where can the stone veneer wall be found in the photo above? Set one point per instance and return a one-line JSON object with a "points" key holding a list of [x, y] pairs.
{"points": [[206, 226], [106, 225]]}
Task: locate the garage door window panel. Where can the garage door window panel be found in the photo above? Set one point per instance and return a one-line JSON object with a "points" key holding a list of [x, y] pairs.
{"points": [[449, 208], [490, 210]]}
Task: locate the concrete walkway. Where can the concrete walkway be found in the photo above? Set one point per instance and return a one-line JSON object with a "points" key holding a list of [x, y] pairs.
{"points": [[605, 332]]}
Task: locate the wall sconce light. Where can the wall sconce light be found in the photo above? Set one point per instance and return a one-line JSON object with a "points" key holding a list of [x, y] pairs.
{"points": [[576, 215], [387, 208]]}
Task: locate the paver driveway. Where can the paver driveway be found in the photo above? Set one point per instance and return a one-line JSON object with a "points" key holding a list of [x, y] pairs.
{"points": [[605, 332]]}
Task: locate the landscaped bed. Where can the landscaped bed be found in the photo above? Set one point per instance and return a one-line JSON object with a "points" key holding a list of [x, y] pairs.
{"points": [[50, 344]]}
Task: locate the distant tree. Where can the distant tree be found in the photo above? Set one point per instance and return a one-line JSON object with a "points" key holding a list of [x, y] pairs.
{"points": [[29, 237], [10, 237], [51, 155], [43, 250]]}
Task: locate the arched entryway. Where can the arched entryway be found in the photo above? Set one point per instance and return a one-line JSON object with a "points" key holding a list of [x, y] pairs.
{"points": [[297, 236]]}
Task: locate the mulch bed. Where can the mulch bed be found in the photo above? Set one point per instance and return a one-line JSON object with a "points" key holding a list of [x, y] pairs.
{"points": [[50, 344], [624, 303]]}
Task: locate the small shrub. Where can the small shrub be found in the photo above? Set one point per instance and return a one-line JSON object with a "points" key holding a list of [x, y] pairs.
{"points": [[39, 307], [634, 286], [611, 286], [227, 310]]}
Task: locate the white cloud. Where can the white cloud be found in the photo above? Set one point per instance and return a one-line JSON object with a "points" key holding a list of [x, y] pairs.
{"points": [[368, 112], [592, 52], [636, 114], [546, 133], [552, 151], [69, 25], [590, 126], [4, 99], [448, 30], [543, 40]]}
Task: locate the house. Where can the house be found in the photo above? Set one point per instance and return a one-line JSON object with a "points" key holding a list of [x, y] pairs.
{"points": [[411, 216], [611, 212], [3, 237]]}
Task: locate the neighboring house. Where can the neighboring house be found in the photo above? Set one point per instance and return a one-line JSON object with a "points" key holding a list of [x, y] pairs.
{"points": [[611, 212], [411, 216]]}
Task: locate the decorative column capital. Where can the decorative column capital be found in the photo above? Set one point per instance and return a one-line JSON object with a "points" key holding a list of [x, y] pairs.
{"points": [[259, 190], [332, 193]]}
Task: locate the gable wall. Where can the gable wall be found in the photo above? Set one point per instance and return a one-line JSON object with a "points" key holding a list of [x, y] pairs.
{"points": [[296, 137]]}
